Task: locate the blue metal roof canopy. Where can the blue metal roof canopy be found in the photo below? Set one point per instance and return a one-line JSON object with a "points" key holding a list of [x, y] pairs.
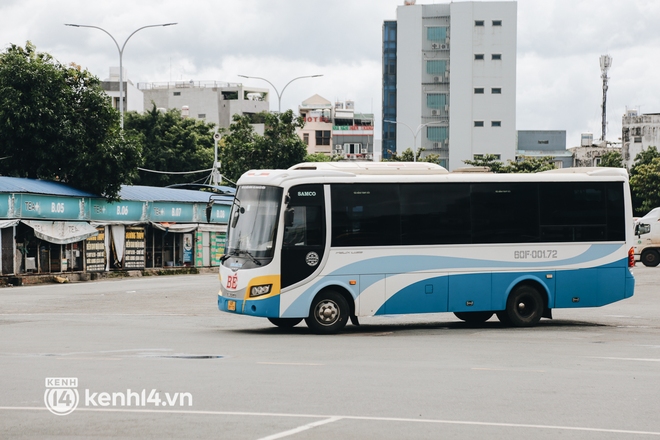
{"points": [[127, 192], [153, 193], [34, 186]]}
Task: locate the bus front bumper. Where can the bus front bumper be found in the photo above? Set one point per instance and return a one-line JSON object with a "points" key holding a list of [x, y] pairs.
{"points": [[266, 307]]}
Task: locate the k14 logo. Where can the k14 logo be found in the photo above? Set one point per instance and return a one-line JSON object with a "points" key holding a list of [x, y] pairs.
{"points": [[61, 396]]}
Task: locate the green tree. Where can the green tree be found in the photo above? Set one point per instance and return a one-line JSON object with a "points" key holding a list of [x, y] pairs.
{"points": [[529, 165], [611, 159], [645, 186], [489, 161], [322, 157], [171, 144], [279, 147], [56, 123], [641, 181], [644, 158], [526, 165], [405, 156]]}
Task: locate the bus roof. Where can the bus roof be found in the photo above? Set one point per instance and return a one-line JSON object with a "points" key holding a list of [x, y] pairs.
{"points": [[591, 171], [407, 168], [353, 172]]}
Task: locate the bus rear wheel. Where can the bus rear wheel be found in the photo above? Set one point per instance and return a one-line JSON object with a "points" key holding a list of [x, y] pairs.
{"points": [[650, 258], [474, 317], [328, 314], [285, 322], [524, 308]]}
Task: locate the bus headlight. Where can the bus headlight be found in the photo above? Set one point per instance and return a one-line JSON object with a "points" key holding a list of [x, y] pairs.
{"points": [[260, 290]]}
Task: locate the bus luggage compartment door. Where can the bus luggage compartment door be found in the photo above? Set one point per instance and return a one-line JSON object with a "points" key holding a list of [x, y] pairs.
{"points": [[470, 292], [415, 293]]}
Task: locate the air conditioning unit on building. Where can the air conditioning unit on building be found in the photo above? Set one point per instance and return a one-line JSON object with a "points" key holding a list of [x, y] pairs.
{"points": [[446, 141], [339, 150], [446, 73], [365, 150], [446, 108], [434, 45], [436, 145], [436, 79], [444, 46], [434, 112]]}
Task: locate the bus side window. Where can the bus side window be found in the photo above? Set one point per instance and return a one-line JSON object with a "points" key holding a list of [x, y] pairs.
{"points": [[305, 228], [294, 231]]}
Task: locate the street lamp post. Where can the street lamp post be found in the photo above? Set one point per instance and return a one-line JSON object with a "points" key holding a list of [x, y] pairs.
{"points": [[121, 54], [414, 133], [279, 95]]}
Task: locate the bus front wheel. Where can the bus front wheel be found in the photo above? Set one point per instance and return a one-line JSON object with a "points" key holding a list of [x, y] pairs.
{"points": [[474, 317], [328, 314], [524, 308], [650, 258], [285, 322]]}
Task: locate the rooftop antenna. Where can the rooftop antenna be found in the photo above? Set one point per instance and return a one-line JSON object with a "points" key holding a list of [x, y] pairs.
{"points": [[605, 64]]}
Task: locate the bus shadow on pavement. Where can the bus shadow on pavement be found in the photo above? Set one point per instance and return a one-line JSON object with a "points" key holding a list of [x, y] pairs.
{"points": [[386, 329]]}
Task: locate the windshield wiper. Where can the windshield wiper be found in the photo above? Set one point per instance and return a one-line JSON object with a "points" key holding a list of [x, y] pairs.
{"points": [[238, 253], [254, 260]]}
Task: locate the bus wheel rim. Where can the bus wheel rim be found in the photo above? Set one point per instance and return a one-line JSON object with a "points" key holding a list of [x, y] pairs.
{"points": [[327, 312]]}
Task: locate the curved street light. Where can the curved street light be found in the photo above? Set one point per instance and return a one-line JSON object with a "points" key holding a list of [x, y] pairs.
{"points": [[414, 133], [121, 54], [279, 95]]}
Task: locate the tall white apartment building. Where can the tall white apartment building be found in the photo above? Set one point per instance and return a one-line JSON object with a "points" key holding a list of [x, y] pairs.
{"points": [[454, 86]]}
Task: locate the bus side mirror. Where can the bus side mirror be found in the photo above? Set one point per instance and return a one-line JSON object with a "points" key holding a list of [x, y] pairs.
{"points": [[234, 219], [288, 217], [641, 229]]}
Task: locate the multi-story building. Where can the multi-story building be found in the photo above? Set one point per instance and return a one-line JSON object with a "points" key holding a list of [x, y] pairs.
{"points": [[337, 129], [638, 132], [389, 89], [211, 101], [352, 132], [133, 97], [317, 132], [455, 80]]}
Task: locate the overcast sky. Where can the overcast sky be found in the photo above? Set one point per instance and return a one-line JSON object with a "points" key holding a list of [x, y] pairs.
{"points": [[559, 45]]}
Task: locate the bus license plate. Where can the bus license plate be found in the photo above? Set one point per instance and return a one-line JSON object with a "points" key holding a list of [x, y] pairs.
{"points": [[231, 306]]}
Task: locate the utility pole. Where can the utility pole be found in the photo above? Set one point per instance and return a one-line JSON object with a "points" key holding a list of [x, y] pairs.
{"points": [[216, 177], [605, 64]]}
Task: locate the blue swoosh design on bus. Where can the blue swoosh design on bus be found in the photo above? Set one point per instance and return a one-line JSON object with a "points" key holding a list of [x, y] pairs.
{"points": [[415, 263]]}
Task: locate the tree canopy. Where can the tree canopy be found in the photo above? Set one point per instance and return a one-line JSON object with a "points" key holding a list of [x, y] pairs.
{"points": [[322, 157], [611, 159], [645, 181], [408, 156], [56, 123], [171, 144], [526, 165], [279, 148]]}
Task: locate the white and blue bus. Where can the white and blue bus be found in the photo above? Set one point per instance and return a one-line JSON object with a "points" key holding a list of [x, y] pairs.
{"points": [[329, 242]]}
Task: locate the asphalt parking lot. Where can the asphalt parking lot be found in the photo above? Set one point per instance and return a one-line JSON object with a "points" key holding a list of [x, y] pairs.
{"points": [[154, 358]]}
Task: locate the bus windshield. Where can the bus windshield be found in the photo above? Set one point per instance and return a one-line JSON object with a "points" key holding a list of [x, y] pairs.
{"points": [[253, 223]]}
